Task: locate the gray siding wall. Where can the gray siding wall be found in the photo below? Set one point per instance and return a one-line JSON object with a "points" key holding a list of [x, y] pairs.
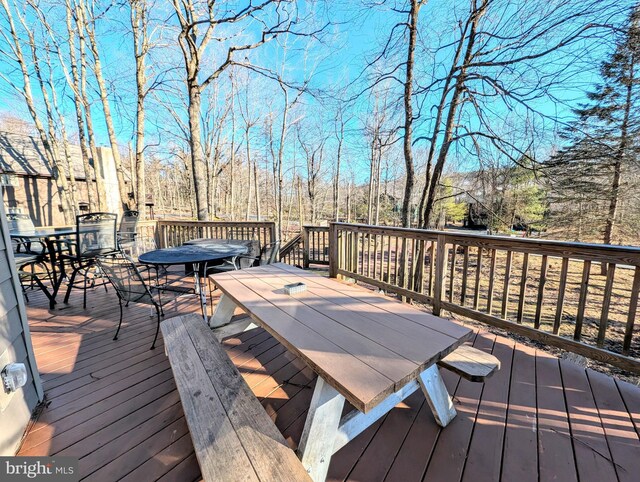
{"points": [[15, 346]]}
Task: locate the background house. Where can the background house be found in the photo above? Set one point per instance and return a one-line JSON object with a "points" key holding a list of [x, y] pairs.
{"points": [[28, 186]]}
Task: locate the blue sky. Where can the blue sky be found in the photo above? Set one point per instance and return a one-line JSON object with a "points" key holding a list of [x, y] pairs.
{"points": [[357, 32]]}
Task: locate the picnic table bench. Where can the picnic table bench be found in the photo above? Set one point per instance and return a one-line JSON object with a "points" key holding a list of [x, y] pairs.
{"points": [[367, 349], [234, 438]]}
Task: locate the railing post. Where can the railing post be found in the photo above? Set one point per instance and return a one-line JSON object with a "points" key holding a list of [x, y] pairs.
{"points": [[305, 247], [333, 250], [272, 232], [163, 235], [441, 257]]}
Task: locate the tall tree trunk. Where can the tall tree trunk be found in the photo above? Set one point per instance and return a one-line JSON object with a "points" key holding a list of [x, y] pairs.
{"points": [[198, 164], [100, 186], [300, 203], [279, 180], [75, 85], [619, 158], [73, 187], [349, 202], [257, 186], [232, 161], [336, 179], [139, 26], [377, 191], [422, 221], [451, 115], [372, 171], [106, 108], [408, 115]]}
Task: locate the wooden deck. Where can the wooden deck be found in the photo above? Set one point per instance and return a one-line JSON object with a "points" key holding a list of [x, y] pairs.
{"points": [[114, 405]]}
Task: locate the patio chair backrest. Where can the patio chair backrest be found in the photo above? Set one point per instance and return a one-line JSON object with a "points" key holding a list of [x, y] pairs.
{"points": [[129, 222], [96, 234], [128, 282], [250, 259], [269, 253], [20, 222]]}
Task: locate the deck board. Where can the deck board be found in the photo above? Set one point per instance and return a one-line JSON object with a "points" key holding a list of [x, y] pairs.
{"points": [[554, 437], [114, 404], [485, 451]]}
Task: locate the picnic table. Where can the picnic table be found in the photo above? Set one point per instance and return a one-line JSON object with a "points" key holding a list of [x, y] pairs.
{"points": [[366, 349]]}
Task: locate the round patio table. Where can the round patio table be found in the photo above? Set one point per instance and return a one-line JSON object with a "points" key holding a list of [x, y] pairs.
{"points": [[198, 256]]}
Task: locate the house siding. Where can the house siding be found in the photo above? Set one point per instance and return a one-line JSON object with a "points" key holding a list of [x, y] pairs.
{"points": [[15, 346]]}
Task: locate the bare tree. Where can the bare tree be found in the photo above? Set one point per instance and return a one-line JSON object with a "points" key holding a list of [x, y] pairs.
{"points": [[139, 28], [501, 66], [80, 22], [268, 19], [90, 20], [48, 139]]}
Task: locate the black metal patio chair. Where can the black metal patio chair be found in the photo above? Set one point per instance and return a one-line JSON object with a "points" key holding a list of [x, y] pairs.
{"points": [[267, 255], [31, 264], [128, 232], [131, 287], [95, 236]]}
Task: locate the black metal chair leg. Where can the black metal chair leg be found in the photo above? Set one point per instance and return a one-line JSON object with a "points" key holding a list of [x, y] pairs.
{"points": [[73, 278], [84, 291], [160, 302], [153, 345], [120, 322]]}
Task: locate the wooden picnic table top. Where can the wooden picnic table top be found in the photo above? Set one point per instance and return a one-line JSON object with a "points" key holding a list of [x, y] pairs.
{"points": [[366, 345]]}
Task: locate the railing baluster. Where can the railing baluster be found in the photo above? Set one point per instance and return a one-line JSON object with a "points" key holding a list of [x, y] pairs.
{"points": [[582, 300], [441, 259], [396, 268], [465, 272], [523, 287], [476, 293], [505, 289], [492, 272], [388, 267], [606, 303], [631, 317], [561, 293], [375, 255], [452, 271], [541, 285], [411, 262], [432, 266], [421, 267]]}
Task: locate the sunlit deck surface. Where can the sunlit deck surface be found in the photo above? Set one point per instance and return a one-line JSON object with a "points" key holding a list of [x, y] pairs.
{"points": [[114, 405]]}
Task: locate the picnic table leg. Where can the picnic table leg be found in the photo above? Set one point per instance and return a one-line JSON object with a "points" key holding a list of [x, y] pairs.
{"points": [[223, 313], [437, 395], [320, 430]]}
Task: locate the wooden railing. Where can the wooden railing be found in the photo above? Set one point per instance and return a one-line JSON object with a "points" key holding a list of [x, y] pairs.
{"points": [[291, 253], [579, 297], [309, 247], [315, 245], [174, 233]]}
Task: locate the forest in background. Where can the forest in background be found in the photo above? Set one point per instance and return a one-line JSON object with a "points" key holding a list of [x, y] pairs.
{"points": [[385, 112]]}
